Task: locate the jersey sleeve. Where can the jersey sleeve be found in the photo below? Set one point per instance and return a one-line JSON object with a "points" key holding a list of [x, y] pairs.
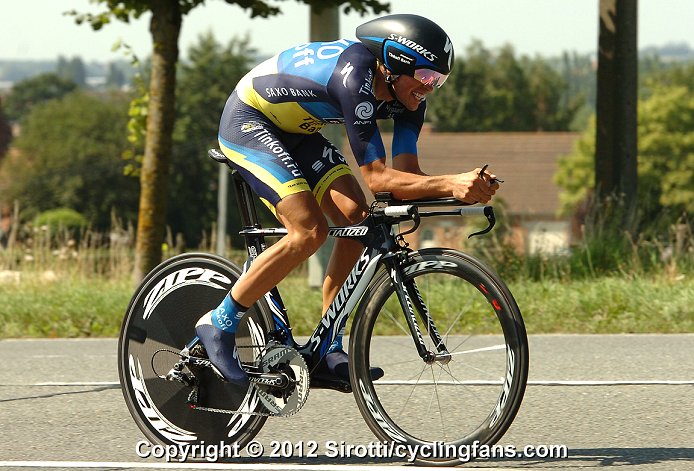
{"points": [[351, 85], [406, 128]]}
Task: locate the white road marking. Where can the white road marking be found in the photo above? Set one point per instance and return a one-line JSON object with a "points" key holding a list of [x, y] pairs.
{"points": [[227, 466], [393, 382], [87, 355], [543, 383]]}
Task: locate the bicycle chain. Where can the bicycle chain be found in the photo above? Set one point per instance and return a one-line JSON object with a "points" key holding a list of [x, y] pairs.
{"points": [[234, 412], [229, 411]]}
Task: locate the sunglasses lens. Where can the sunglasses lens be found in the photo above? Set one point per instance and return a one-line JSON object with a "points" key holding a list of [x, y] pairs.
{"points": [[430, 77]]}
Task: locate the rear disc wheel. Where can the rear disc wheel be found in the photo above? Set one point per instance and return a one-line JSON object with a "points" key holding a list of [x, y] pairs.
{"points": [[162, 316]]}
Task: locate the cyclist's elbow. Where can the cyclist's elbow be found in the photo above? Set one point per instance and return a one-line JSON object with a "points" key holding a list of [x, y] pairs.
{"points": [[377, 182], [378, 186]]}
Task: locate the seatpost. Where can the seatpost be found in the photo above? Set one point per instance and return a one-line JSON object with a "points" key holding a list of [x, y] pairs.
{"points": [[244, 198], [255, 244]]}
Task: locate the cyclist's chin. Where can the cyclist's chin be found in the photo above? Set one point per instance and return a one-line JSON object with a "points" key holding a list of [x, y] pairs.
{"points": [[408, 100]]}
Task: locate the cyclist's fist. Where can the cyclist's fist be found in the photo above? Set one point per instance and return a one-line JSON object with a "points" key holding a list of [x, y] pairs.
{"points": [[474, 187]]}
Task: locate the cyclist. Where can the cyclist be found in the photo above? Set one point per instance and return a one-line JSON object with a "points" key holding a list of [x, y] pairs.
{"points": [[269, 131]]}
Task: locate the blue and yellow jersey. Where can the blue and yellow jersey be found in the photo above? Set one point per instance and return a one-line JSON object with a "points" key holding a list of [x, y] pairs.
{"points": [[304, 88]]}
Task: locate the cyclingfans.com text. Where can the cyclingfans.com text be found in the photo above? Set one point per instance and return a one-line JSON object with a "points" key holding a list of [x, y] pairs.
{"points": [[213, 452]]}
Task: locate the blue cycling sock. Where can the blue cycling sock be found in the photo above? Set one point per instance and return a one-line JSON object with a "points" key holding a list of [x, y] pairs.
{"points": [[228, 314], [337, 343]]}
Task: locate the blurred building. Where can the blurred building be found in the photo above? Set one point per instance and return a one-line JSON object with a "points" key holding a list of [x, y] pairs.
{"points": [[529, 197]]}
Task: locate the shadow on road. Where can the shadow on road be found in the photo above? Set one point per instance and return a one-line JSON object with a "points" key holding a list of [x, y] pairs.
{"points": [[634, 456], [61, 393], [674, 458]]}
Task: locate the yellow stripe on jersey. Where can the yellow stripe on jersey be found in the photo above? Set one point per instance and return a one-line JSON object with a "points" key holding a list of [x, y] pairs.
{"points": [[290, 187], [328, 178], [289, 117]]}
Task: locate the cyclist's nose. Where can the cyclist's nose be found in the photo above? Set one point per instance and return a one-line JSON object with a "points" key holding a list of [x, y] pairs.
{"points": [[427, 88]]}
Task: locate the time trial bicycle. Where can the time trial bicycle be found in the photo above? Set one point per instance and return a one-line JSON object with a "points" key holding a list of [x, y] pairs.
{"points": [[444, 328]]}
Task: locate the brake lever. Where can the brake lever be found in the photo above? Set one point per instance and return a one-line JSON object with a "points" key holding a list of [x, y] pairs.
{"points": [[491, 180], [416, 219], [491, 219]]}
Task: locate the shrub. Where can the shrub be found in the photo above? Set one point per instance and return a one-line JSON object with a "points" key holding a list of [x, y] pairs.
{"points": [[61, 219]]}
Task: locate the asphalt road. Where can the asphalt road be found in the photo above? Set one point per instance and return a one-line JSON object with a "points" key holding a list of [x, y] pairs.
{"points": [[613, 400]]}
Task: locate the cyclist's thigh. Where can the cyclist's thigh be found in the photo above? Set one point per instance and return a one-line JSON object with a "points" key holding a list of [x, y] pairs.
{"points": [[260, 152], [330, 179]]}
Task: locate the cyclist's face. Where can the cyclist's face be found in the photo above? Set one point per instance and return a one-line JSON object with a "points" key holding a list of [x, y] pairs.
{"points": [[410, 91]]}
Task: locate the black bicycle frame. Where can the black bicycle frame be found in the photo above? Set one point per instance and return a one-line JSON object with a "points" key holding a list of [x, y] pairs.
{"points": [[381, 247]]}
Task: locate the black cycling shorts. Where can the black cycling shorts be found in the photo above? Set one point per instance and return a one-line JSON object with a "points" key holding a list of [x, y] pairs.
{"points": [[276, 163]]}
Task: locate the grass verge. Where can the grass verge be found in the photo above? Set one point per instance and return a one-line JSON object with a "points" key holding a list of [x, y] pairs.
{"points": [[94, 307]]}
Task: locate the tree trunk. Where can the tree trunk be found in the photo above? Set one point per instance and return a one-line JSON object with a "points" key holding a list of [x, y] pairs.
{"points": [[616, 141], [165, 27]]}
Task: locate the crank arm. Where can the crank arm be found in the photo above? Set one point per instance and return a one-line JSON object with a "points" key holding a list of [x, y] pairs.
{"points": [[275, 380]]}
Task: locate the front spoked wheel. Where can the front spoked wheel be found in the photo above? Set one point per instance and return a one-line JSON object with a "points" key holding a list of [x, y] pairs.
{"points": [[159, 323], [472, 395]]}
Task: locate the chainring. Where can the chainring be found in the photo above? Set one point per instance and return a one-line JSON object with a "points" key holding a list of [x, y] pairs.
{"points": [[280, 358]]}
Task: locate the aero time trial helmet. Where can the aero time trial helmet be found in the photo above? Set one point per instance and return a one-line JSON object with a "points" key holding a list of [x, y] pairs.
{"points": [[410, 45]]}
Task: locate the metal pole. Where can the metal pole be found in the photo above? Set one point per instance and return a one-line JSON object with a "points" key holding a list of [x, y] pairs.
{"points": [[616, 146], [324, 26], [222, 200]]}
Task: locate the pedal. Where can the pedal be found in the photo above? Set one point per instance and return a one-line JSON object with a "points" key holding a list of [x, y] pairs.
{"points": [[336, 384]]}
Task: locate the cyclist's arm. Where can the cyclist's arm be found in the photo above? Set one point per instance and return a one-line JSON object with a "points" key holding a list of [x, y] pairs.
{"points": [[407, 127], [407, 162], [467, 187]]}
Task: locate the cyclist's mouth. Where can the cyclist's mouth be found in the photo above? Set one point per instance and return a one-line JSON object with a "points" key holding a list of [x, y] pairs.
{"points": [[418, 96]]}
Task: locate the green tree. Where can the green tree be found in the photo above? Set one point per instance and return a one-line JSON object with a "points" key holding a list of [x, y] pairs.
{"points": [[69, 156], [496, 91], [552, 107], [666, 149], [165, 26], [578, 72], [72, 70], [115, 77], [511, 93], [666, 160], [30, 92], [203, 86], [576, 173], [5, 132]]}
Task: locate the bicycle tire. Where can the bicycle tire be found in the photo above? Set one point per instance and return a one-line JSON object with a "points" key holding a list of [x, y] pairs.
{"points": [[467, 302], [161, 316]]}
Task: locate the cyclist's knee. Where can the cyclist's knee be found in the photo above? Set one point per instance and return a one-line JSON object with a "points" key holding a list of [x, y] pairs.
{"points": [[306, 225], [351, 212], [306, 239], [356, 213], [345, 202]]}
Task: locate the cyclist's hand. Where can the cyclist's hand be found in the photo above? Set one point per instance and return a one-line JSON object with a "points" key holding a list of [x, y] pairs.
{"points": [[474, 187]]}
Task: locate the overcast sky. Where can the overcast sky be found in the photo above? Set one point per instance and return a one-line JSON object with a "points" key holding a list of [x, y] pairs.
{"points": [[37, 29]]}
